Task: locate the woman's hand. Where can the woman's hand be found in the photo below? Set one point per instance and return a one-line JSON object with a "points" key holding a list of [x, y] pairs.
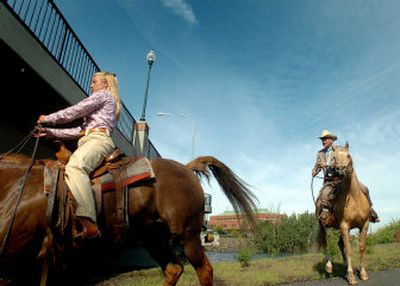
{"points": [[42, 119], [39, 132]]}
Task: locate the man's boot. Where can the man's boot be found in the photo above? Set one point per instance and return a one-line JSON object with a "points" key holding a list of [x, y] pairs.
{"points": [[89, 228], [373, 216], [323, 216]]}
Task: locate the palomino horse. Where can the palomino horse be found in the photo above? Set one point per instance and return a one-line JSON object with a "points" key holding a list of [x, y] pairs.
{"points": [[351, 209], [167, 208]]}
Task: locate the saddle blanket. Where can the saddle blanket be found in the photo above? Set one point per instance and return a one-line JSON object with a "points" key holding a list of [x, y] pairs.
{"points": [[138, 170]]}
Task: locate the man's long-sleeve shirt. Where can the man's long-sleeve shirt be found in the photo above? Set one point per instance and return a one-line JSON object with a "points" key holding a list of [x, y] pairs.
{"points": [[323, 158], [98, 110]]}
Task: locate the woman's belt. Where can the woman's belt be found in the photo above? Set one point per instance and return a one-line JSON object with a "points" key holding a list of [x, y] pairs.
{"points": [[85, 132]]}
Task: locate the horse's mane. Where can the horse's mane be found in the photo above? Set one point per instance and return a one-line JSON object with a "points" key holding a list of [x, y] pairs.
{"points": [[18, 159]]}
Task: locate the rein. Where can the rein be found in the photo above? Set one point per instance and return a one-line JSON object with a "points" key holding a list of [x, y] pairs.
{"points": [[21, 145], [312, 190], [22, 187], [312, 185]]}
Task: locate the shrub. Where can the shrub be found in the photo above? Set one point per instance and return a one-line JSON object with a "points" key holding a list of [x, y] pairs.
{"points": [[387, 234], [332, 238], [294, 234], [245, 252]]}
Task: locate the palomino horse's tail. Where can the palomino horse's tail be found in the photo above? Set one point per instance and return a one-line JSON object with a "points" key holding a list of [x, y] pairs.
{"points": [[321, 237], [236, 190]]}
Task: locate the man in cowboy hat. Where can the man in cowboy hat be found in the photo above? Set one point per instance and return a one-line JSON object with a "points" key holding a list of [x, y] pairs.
{"points": [[327, 192]]}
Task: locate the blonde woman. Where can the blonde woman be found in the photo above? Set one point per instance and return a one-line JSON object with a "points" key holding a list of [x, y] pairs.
{"points": [[100, 112]]}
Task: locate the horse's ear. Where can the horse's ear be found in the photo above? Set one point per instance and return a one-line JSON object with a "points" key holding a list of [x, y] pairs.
{"points": [[346, 146]]}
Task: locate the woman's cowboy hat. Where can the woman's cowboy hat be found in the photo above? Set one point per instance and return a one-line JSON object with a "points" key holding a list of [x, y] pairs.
{"points": [[326, 134]]}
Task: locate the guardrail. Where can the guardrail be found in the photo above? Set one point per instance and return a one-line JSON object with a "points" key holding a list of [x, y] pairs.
{"points": [[46, 23]]}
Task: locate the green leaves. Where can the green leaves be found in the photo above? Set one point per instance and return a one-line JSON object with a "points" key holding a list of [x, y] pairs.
{"points": [[294, 234]]}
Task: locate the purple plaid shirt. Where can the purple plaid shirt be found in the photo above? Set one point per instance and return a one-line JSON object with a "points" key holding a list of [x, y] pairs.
{"points": [[97, 110]]}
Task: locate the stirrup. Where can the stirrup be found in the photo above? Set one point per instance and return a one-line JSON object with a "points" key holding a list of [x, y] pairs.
{"points": [[324, 213], [326, 217]]}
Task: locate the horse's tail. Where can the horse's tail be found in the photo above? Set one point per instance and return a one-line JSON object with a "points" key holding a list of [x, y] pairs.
{"points": [[321, 237], [236, 190]]}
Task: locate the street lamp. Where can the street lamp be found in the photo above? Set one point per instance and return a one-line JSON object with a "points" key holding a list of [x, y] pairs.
{"points": [[186, 118], [151, 57]]}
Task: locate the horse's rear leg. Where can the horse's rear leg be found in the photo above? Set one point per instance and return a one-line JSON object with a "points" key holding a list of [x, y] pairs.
{"points": [[157, 245], [197, 258], [341, 248], [172, 272], [170, 266], [322, 243]]}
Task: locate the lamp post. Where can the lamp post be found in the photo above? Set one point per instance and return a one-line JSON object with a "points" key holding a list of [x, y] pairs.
{"points": [[188, 119], [151, 57]]}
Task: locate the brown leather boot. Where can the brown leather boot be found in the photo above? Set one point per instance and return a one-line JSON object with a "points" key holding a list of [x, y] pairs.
{"points": [[324, 215], [373, 216], [89, 228]]}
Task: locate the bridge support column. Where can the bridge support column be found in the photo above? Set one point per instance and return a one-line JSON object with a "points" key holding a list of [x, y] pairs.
{"points": [[141, 139]]}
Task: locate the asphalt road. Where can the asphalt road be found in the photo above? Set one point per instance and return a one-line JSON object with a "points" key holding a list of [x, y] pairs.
{"points": [[381, 278]]}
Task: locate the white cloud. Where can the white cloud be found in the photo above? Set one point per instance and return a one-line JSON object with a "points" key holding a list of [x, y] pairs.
{"points": [[182, 9]]}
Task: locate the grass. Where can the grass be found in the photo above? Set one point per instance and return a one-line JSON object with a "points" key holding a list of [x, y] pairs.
{"points": [[267, 271]]}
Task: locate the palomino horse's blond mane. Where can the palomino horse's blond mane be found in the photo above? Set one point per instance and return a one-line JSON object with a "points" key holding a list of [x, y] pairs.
{"points": [[352, 210]]}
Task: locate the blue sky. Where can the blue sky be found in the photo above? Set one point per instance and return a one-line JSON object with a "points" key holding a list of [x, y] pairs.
{"points": [[260, 79]]}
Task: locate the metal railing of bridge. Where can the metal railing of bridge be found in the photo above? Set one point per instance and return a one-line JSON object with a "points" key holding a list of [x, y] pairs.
{"points": [[46, 23]]}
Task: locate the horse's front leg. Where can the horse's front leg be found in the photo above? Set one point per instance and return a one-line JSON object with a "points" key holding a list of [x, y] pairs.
{"points": [[362, 247], [344, 230]]}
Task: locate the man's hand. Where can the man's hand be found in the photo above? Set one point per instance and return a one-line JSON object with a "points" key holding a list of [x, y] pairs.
{"points": [[321, 165]]}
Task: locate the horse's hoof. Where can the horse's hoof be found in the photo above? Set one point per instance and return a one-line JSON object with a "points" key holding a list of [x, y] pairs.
{"points": [[351, 279], [329, 267], [364, 276], [328, 270], [353, 282]]}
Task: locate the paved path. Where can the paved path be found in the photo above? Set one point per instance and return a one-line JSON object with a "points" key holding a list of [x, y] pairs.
{"points": [[381, 278]]}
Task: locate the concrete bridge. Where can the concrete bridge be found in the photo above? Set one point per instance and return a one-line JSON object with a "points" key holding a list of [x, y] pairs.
{"points": [[45, 67]]}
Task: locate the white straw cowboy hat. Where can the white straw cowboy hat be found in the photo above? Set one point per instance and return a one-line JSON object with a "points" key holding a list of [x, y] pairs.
{"points": [[326, 134]]}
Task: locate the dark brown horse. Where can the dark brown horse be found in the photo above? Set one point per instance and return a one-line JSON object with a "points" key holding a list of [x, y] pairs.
{"points": [[168, 208]]}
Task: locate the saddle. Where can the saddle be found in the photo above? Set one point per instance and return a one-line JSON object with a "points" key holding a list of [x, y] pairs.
{"points": [[115, 174]]}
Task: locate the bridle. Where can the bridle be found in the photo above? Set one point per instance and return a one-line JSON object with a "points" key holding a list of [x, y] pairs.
{"points": [[20, 146]]}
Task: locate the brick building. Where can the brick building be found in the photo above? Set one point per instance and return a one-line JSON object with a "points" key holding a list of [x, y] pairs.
{"points": [[230, 221]]}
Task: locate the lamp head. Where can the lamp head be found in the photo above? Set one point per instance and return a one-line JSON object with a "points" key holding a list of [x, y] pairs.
{"points": [[151, 57]]}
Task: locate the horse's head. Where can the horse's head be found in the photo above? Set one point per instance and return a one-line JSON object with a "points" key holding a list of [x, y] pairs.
{"points": [[342, 161]]}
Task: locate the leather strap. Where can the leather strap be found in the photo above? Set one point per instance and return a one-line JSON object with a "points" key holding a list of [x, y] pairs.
{"points": [[121, 221], [97, 129]]}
